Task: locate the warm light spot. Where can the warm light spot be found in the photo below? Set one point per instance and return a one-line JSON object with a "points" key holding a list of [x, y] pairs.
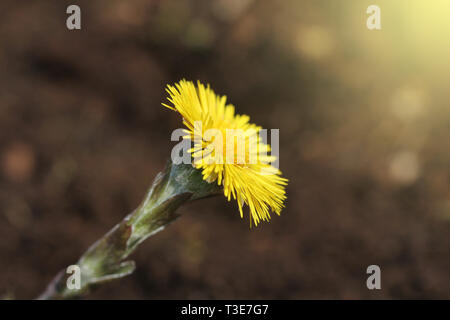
{"points": [[404, 167], [315, 42], [408, 103], [18, 162]]}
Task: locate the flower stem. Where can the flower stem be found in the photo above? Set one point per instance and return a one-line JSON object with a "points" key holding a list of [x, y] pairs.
{"points": [[106, 260]]}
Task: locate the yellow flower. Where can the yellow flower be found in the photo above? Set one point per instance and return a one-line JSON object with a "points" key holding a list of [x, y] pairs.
{"points": [[228, 149]]}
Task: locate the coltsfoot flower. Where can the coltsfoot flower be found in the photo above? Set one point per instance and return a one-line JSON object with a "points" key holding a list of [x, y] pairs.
{"points": [[243, 169]]}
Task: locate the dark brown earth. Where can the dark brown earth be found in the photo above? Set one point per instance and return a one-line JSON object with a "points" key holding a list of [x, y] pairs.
{"points": [[364, 126]]}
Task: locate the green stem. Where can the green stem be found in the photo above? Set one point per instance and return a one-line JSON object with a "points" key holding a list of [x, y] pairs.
{"points": [[106, 260]]}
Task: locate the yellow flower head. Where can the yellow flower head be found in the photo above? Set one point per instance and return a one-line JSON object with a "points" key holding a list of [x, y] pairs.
{"points": [[228, 149]]}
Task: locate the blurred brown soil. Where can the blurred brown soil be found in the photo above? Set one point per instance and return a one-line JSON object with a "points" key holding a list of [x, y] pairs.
{"points": [[83, 133]]}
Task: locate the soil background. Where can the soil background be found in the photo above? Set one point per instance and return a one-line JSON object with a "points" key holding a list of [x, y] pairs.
{"points": [[364, 124]]}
